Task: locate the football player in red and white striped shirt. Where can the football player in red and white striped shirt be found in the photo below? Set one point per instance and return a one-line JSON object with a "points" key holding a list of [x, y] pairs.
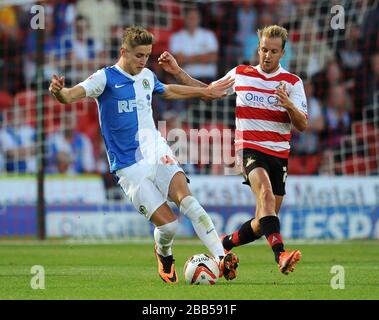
{"points": [[269, 101]]}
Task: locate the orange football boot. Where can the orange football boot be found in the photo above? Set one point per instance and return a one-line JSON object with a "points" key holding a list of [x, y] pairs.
{"points": [[166, 268], [287, 261]]}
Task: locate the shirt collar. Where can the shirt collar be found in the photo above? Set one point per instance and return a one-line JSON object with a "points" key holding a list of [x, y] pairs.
{"points": [[125, 73], [269, 75]]}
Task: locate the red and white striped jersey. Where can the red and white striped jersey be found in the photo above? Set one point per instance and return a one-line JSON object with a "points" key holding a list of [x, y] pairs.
{"points": [[259, 124]]}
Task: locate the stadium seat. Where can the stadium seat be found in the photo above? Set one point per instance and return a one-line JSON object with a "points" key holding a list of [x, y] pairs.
{"points": [[360, 127], [162, 38], [304, 164], [26, 98], [174, 14], [295, 165], [356, 165], [6, 100], [312, 164]]}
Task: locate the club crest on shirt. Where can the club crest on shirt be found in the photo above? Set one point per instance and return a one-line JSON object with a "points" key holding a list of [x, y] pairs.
{"points": [[146, 83], [248, 69], [249, 161], [143, 210]]}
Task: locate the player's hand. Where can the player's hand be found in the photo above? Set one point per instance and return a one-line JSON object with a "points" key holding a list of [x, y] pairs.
{"points": [[169, 64], [283, 99], [56, 84], [219, 89]]}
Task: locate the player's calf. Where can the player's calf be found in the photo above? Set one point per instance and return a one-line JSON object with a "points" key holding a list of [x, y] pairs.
{"points": [[245, 234]]}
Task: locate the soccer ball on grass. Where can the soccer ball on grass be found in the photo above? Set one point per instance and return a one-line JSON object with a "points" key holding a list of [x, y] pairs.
{"points": [[201, 269]]}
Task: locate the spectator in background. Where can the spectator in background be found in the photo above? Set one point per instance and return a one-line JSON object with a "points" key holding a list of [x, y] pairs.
{"points": [[6, 102], [369, 48], [366, 92], [308, 141], [287, 12], [64, 18], [112, 190], [348, 52], [17, 141], [195, 48], [337, 118], [173, 128], [373, 81], [330, 76], [70, 151], [101, 16], [10, 51], [83, 52], [246, 21], [311, 50], [8, 21], [221, 17], [51, 50], [370, 27]]}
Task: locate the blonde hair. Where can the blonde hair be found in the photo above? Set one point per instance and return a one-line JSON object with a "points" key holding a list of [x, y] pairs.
{"points": [[136, 36], [273, 31]]}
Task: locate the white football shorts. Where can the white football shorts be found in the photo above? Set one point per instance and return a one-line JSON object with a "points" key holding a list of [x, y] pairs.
{"points": [[146, 185]]}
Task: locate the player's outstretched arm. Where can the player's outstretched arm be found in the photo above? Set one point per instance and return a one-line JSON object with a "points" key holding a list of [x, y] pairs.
{"points": [[213, 91], [169, 64], [65, 95]]}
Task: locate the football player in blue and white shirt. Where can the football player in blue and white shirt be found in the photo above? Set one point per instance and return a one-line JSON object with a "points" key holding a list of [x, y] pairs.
{"points": [[137, 153]]}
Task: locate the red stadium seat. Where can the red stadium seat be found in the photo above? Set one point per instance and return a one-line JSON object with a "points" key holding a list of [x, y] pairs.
{"points": [[304, 165], [162, 38], [174, 13], [6, 100], [312, 164], [295, 165], [356, 165], [27, 98]]}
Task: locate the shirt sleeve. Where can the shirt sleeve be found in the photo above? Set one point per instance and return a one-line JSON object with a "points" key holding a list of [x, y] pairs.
{"points": [[232, 75], [158, 86], [298, 98], [94, 85]]}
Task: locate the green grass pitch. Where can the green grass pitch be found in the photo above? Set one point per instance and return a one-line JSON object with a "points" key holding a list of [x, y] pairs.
{"points": [[129, 271]]}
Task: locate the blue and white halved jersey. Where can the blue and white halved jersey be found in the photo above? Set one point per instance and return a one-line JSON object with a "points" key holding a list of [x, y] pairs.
{"points": [[125, 115]]}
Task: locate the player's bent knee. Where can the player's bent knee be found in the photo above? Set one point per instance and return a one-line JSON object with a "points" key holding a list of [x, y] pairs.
{"points": [[179, 188]]}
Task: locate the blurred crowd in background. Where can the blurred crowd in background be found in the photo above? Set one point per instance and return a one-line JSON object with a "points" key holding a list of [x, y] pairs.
{"points": [[339, 68]]}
